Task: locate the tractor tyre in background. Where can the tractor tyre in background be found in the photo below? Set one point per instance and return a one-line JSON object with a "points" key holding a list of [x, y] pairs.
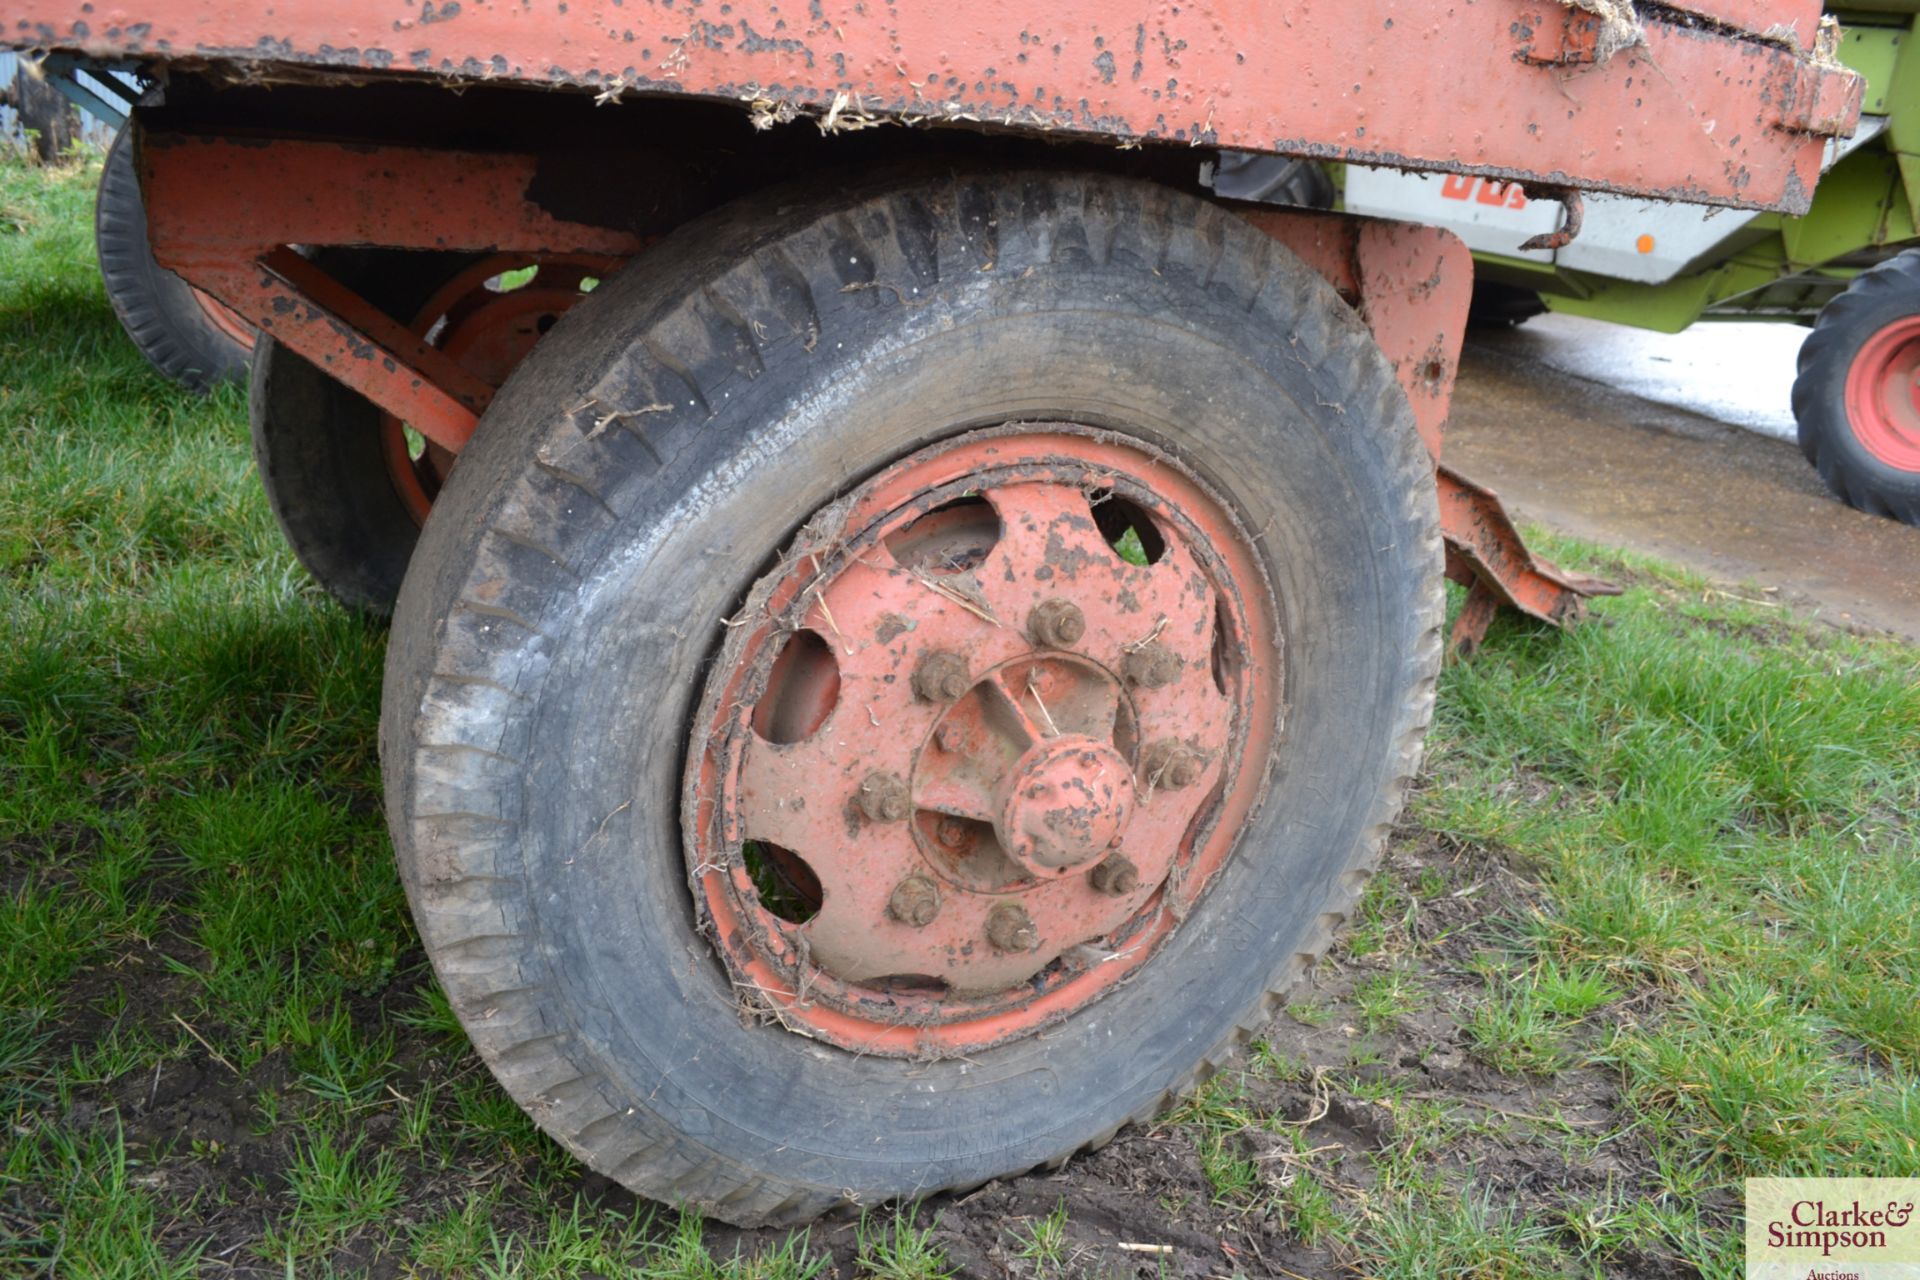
{"points": [[182, 332], [876, 708], [1502, 306], [349, 484], [1857, 396]]}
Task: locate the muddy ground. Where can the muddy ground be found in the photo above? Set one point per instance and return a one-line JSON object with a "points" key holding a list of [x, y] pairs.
{"points": [[1588, 458], [1143, 1206]]}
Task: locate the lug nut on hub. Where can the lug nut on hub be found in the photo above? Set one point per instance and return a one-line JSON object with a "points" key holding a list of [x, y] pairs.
{"points": [[1056, 624], [1010, 928], [915, 901], [1168, 764], [941, 676], [883, 797], [1153, 665], [952, 833], [1116, 875]]}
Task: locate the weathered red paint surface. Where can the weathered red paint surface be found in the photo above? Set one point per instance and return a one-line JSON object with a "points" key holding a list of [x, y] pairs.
{"points": [[1487, 554], [1056, 757], [314, 193], [1695, 110], [1411, 285]]}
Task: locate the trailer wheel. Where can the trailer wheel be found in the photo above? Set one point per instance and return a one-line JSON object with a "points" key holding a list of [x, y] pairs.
{"points": [[1857, 396], [904, 678], [185, 334], [349, 484]]}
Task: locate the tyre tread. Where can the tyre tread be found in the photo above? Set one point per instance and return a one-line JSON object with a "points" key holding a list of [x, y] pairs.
{"points": [[1161, 233]]}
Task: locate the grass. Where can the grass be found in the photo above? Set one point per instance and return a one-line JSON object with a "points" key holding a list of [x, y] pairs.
{"points": [[221, 1047]]}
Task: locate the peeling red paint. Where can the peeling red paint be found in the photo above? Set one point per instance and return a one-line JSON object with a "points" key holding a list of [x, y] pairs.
{"points": [[1697, 110]]}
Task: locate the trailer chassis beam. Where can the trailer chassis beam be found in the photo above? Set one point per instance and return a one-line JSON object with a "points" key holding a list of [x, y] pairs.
{"points": [[1410, 284]]}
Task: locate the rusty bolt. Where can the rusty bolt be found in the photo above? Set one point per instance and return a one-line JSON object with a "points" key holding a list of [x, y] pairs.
{"points": [[1056, 624], [954, 738], [1116, 875], [914, 901], [941, 676], [883, 797], [1153, 665], [1010, 928], [952, 832], [1169, 764]]}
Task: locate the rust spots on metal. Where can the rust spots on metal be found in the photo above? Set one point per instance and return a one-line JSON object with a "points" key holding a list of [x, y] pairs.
{"points": [[1487, 554], [308, 193], [1017, 748], [1710, 104]]}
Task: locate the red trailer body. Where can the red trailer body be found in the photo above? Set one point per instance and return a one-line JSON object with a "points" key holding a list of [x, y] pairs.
{"points": [[1100, 511]]}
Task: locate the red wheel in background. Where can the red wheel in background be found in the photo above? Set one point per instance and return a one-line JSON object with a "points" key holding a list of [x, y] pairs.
{"points": [[350, 484], [1857, 398], [184, 334], [487, 316], [1883, 395]]}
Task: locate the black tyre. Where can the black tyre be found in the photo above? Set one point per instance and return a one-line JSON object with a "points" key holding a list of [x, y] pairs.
{"points": [[610, 547], [1854, 398], [321, 448], [184, 334], [350, 485]]}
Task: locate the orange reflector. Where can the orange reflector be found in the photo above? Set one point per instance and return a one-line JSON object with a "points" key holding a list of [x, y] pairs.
{"points": [[1644, 244]]}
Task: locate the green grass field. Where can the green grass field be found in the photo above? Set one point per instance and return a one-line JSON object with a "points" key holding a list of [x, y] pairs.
{"points": [[1653, 912]]}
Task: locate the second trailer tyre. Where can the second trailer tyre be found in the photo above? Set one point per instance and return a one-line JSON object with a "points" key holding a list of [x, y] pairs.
{"points": [[183, 333], [349, 483], [904, 679]]}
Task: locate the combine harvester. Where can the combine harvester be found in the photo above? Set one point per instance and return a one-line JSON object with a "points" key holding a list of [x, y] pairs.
{"points": [[928, 614], [1848, 266]]}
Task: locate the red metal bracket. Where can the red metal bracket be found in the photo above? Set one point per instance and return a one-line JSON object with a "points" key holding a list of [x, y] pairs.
{"points": [[315, 193], [1412, 285], [1487, 555]]}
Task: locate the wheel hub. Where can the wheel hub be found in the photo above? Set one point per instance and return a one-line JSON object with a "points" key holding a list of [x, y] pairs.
{"points": [[973, 762], [1067, 801], [1883, 395]]}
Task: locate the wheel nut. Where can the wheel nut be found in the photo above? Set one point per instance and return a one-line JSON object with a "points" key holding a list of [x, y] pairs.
{"points": [[914, 901], [1010, 928], [883, 797], [952, 833], [940, 676], [1168, 764], [954, 739], [1153, 665], [1056, 624], [1116, 875]]}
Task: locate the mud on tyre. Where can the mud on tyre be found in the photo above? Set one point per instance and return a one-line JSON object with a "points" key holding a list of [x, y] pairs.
{"points": [[1065, 514]]}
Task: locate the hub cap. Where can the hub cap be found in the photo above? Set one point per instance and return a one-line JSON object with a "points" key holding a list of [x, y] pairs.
{"points": [[966, 762], [1883, 395]]}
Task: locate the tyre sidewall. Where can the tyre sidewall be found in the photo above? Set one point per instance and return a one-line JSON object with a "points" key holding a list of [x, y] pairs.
{"points": [[1317, 456], [1877, 299], [160, 312]]}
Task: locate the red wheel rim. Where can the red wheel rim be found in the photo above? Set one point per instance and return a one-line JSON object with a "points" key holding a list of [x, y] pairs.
{"points": [[970, 767], [1883, 395], [488, 323]]}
